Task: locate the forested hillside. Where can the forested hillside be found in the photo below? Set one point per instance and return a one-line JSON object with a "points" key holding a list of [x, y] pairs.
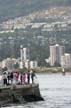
{"points": [[15, 8]]}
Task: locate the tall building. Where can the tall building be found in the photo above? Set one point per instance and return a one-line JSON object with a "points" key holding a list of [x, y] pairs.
{"points": [[24, 54], [21, 53], [66, 60], [57, 54], [33, 64], [56, 51], [52, 55]]}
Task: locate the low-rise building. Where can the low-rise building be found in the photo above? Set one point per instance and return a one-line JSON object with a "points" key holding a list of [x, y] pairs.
{"points": [[9, 63], [33, 64], [66, 60]]}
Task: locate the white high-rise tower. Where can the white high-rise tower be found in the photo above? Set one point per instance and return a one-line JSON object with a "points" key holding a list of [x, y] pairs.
{"points": [[24, 54], [21, 56], [21, 53], [56, 51], [52, 55]]}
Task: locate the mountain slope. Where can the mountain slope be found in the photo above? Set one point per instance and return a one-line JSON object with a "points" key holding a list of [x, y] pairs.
{"points": [[15, 8]]}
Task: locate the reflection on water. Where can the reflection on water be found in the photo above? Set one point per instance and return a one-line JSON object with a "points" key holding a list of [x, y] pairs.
{"points": [[56, 90]]}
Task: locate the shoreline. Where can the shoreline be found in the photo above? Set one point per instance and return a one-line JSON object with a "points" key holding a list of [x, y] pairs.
{"points": [[51, 70]]}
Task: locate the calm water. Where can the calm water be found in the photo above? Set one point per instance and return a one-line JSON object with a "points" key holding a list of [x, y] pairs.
{"points": [[56, 90]]}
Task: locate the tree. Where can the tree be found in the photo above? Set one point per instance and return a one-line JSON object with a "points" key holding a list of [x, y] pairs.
{"points": [[16, 65], [57, 64]]}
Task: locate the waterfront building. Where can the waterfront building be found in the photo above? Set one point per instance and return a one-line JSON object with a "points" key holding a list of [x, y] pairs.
{"points": [[57, 54], [33, 64], [66, 60], [26, 64], [24, 54], [9, 63], [21, 53], [52, 55], [21, 65], [25, 59], [63, 61], [56, 51]]}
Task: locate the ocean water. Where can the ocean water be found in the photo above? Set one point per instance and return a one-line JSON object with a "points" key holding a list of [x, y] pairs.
{"points": [[54, 88]]}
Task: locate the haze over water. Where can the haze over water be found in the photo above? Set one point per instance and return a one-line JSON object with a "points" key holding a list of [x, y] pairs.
{"points": [[56, 90]]}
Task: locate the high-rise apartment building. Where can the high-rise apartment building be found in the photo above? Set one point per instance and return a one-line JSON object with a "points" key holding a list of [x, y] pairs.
{"points": [[24, 54], [56, 51], [52, 55], [21, 53]]}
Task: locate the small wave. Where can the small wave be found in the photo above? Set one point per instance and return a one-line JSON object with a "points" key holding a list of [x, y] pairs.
{"points": [[44, 89]]}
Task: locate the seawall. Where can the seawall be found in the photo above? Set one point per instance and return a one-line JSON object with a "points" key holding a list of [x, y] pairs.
{"points": [[19, 93]]}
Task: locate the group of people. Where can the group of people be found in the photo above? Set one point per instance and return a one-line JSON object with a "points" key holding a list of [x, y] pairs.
{"points": [[18, 78]]}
